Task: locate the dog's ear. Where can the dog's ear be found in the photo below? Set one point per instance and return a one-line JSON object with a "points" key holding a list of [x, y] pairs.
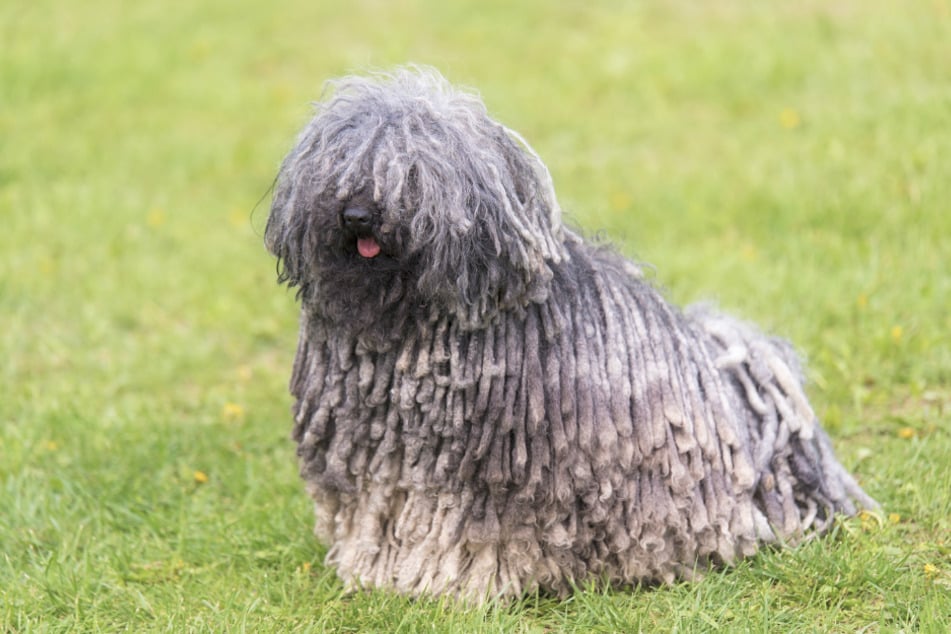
{"points": [[278, 240], [289, 235], [496, 249]]}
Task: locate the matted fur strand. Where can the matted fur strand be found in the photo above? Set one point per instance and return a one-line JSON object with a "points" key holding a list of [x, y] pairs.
{"points": [[493, 405]]}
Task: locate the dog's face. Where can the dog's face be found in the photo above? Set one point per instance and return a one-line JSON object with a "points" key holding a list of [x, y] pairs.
{"points": [[402, 199]]}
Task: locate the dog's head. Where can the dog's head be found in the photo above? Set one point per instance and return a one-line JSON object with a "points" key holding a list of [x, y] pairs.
{"points": [[402, 197]]}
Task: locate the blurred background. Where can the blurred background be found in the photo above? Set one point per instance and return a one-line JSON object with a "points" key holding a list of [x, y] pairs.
{"points": [[789, 161]]}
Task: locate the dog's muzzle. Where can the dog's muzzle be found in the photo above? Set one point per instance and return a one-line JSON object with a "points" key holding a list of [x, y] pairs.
{"points": [[358, 221]]}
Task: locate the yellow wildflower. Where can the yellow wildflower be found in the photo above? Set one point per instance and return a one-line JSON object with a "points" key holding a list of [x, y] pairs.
{"points": [[47, 265], [199, 50], [232, 412], [155, 218], [282, 93], [619, 201], [238, 218], [201, 477], [789, 118]]}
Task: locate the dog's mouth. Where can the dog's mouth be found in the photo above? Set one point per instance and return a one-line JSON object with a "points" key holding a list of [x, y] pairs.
{"points": [[368, 247], [358, 219]]}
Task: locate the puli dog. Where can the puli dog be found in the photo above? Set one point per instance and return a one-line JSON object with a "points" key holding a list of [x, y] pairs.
{"points": [[486, 403]]}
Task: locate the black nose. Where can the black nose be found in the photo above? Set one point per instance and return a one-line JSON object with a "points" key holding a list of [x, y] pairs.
{"points": [[356, 219]]}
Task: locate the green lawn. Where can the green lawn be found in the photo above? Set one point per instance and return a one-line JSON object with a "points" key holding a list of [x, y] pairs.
{"points": [[791, 161]]}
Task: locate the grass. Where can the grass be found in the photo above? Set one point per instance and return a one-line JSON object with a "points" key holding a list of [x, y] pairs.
{"points": [[788, 160]]}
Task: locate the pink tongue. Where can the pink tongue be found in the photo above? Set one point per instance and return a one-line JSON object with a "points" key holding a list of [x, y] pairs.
{"points": [[368, 247]]}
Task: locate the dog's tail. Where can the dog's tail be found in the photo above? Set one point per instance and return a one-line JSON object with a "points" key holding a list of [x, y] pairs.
{"points": [[800, 485]]}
